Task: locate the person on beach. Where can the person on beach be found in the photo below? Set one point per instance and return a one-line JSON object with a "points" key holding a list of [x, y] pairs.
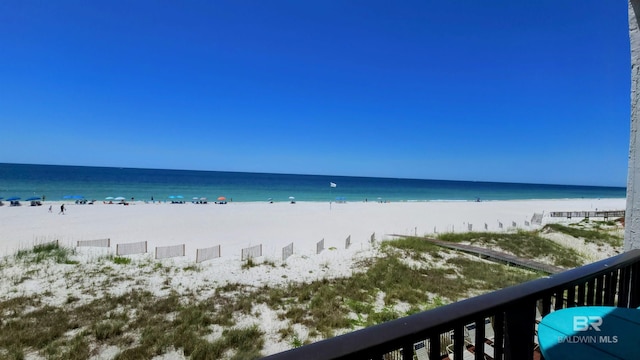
{"points": [[50, 208], [61, 209]]}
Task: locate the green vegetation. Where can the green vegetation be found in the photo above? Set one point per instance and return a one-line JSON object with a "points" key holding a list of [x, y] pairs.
{"points": [[47, 252], [595, 235], [525, 244], [249, 263], [409, 276], [121, 260]]}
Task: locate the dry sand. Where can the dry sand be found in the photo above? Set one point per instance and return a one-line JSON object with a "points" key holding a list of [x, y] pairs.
{"points": [[235, 226], [238, 225]]}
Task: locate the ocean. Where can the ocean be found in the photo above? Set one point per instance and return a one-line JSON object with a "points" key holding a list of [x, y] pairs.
{"points": [[96, 183]]}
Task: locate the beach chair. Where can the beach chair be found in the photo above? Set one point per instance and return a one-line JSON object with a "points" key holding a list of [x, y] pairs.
{"points": [[466, 354], [421, 351], [470, 336]]}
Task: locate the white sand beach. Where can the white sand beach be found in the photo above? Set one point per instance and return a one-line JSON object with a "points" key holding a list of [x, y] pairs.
{"points": [[238, 225], [235, 226]]}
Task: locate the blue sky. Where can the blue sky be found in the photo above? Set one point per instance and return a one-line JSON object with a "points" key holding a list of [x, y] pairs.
{"points": [[513, 91]]}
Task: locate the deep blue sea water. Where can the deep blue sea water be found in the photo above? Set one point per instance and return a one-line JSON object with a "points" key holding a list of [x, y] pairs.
{"points": [[55, 182]]}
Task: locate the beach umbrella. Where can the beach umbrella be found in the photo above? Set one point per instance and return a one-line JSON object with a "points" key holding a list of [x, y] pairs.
{"points": [[33, 198], [222, 198], [13, 198], [109, 198], [172, 197], [1, 198], [119, 198], [179, 197], [291, 198], [195, 198]]}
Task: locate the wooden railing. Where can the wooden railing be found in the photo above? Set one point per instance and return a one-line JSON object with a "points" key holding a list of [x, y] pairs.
{"points": [[512, 314], [588, 214]]}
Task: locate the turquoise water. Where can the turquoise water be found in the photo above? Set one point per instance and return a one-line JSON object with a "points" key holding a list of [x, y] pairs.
{"points": [[60, 182]]}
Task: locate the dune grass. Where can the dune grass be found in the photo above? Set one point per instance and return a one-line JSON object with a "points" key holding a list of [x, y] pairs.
{"points": [[408, 276], [525, 244], [596, 235], [48, 251]]}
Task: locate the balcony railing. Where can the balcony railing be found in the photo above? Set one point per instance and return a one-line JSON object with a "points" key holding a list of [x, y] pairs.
{"points": [[511, 314]]}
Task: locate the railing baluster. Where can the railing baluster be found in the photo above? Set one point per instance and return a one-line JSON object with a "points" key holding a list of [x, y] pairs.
{"points": [[571, 297], [434, 347], [590, 291], [634, 300], [613, 289], [599, 287], [580, 301], [458, 341], [623, 295], [546, 305], [498, 341], [407, 351], [479, 339], [519, 330], [559, 299]]}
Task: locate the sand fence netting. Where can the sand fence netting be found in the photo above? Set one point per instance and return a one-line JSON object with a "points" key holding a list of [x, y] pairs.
{"points": [[95, 243], [251, 252], [287, 251], [208, 253], [131, 248], [320, 246], [164, 252]]}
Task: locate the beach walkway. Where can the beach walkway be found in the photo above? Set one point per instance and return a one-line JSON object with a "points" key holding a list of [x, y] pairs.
{"points": [[589, 214], [494, 255]]}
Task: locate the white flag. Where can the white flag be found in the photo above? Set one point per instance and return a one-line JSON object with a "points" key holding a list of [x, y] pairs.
{"points": [[332, 184]]}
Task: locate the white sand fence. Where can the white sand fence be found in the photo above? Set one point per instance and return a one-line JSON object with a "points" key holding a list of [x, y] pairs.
{"points": [[165, 252], [347, 242], [208, 253], [131, 248], [536, 219], [95, 243], [287, 251], [320, 246], [251, 252]]}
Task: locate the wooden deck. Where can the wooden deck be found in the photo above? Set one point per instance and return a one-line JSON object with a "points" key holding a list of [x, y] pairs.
{"points": [[589, 214], [495, 256]]}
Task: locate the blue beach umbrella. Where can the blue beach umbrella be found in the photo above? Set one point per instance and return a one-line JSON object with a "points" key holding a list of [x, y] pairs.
{"points": [[109, 198], [33, 198], [13, 198]]}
